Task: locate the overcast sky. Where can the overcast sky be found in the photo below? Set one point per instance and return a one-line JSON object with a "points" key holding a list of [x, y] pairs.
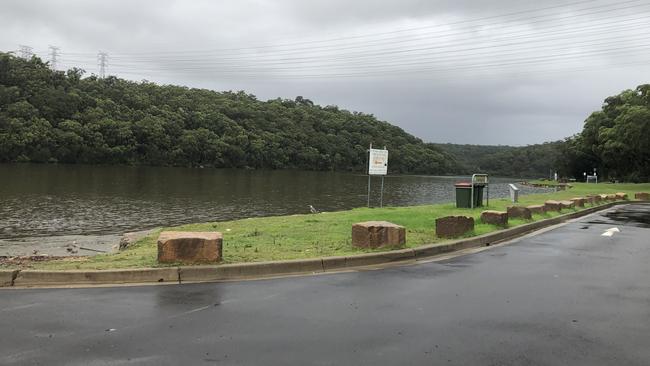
{"points": [[484, 72]]}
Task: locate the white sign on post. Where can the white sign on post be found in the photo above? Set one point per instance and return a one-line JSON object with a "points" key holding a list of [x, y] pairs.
{"points": [[378, 162]]}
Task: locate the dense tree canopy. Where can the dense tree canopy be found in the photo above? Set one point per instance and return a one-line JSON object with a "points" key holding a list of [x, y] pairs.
{"points": [[615, 140], [55, 116]]}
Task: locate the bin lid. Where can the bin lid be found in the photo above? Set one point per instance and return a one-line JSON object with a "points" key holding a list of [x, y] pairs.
{"points": [[463, 185]]}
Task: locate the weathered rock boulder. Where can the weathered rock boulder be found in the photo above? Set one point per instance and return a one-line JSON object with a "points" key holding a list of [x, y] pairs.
{"points": [[578, 201], [498, 218], [621, 196], [453, 226], [536, 209], [551, 205], [643, 196], [567, 204], [189, 247], [519, 212], [375, 234]]}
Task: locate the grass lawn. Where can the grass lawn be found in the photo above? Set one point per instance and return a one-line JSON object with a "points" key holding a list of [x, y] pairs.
{"points": [[325, 234]]}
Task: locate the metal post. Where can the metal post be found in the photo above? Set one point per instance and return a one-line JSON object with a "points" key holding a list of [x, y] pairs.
{"points": [[381, 193], [369, 174], [471, 199], [368, 190]]}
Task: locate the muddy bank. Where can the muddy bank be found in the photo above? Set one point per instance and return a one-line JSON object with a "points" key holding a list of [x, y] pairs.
{"points": [[66, 245]]}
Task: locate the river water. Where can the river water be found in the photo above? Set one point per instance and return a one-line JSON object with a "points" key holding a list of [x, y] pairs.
{"points": [[43, 207]]}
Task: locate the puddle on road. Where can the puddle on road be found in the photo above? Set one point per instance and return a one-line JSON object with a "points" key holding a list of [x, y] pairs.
{"points": [[637, 215]]}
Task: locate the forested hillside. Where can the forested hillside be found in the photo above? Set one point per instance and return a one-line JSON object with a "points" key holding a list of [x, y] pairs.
{"points": [[532, 161], [615, 140], [55, 116]]}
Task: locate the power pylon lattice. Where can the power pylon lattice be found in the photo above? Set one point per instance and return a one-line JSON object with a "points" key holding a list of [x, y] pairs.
{"points": [[54, 57], [25, 52], [102, 62]]}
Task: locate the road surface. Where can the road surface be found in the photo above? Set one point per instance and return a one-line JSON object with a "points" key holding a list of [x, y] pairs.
{"points": [[568, 296]]}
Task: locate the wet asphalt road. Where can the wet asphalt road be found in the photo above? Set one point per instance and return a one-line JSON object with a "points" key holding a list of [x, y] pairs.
{"points": [[568, 296]]}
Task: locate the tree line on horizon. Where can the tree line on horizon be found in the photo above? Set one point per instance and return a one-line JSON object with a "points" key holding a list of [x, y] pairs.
{"points": [[49, 116]]}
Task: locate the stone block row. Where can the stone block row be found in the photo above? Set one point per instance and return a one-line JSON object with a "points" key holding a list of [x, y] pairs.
{"points": [[205, 247]]}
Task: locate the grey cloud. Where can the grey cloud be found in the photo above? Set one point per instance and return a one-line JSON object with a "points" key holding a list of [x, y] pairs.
{"points": [[519, 103]]}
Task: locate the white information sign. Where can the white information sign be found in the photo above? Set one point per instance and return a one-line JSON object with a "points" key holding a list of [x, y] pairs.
{"points": [[378, 162]]}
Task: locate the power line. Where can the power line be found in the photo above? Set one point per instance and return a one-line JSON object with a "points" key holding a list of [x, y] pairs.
{"points": [[607, 9], [498, 44], [527, 41], [507, 64], [606, 28], [615, 5], [448, 54]]}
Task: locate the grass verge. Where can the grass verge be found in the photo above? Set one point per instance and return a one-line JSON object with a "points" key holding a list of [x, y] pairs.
{"points": [[324, 234]]}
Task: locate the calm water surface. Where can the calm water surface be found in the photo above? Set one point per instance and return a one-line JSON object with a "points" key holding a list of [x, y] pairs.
{"points": [[39, 201]]}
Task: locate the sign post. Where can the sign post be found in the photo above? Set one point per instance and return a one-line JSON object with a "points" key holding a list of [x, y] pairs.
{"points": [[377, 165]]}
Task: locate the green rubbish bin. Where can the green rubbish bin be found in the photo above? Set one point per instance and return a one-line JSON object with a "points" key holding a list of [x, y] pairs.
{"points": [[478, 195], [463, 195]]}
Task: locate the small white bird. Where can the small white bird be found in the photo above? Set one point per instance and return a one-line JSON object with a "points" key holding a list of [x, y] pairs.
{"points": [[312, 209]]}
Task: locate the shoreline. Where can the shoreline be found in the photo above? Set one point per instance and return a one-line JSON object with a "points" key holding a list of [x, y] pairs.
{"points": [[308, 236], [16, 279]]}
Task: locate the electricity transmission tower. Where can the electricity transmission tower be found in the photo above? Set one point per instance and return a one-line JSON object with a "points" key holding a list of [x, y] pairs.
{"points": [[25, 52], [102, 61], [54, 54]]}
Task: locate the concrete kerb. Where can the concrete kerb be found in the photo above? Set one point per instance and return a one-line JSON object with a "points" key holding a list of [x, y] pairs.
{"points": [[249, 270], [26, 278], [368, 259], [61, 278], [7, 277]]}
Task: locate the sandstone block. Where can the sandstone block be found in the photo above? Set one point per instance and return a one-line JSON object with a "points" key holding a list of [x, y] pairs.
{"points": [[578, 201], [567, 204], [596, 198], [375, 234], [612, 197], [499, 218], [189, 247], [551, 205], [643, 196], [519, 212], [536, 209], [621, 196], [453, 226]]}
